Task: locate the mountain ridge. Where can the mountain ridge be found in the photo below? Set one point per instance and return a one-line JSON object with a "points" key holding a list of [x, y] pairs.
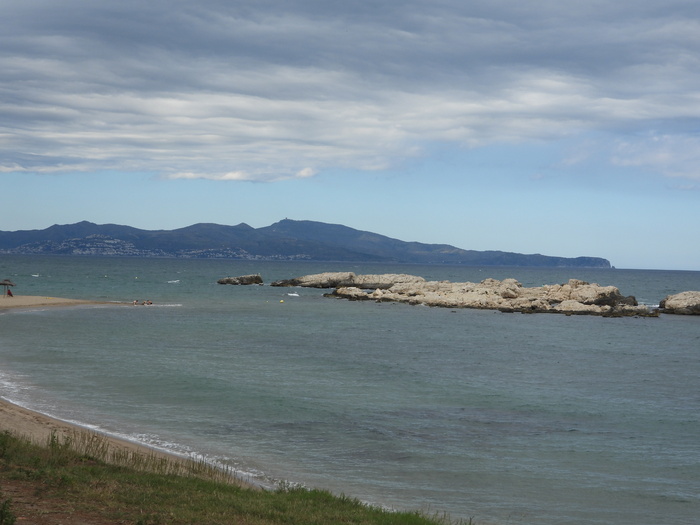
{"points": [[284, 240]]}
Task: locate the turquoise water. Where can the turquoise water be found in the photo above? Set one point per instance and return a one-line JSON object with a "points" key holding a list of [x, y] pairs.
{"points": [[508, 418]]}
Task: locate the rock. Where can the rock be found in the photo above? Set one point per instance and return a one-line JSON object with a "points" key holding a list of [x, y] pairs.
{"points": [[353, 294], [684, 303], [349, 279], [571, 306], [384, 281], [243, 279], [572, 298], [510, 289], [629, 300], [319, 280]]}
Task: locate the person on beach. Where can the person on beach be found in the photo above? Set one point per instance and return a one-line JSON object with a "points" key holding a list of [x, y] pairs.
{"points": [[9, 293]]}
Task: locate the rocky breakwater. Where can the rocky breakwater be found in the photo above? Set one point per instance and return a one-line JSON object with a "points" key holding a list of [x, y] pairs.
{"points": [[685, 303], [573, 297]]}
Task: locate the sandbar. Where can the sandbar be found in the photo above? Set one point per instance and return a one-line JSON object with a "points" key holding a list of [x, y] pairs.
{"points": [[31, 301]]}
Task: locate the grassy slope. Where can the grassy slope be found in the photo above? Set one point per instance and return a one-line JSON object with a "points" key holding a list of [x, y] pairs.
{"points": [[36, 482]]}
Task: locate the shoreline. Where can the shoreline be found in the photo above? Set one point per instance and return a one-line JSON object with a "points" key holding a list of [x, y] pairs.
{"points": [[33, 301], [39, 428]]}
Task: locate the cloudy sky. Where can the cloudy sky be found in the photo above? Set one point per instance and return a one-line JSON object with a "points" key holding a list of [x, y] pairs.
{"points": [[537, 126]]}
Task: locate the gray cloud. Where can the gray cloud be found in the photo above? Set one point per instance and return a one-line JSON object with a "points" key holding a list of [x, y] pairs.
{"points": [[225, 90]]}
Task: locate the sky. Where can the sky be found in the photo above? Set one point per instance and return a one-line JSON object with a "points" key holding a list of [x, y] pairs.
{"points": [[558, 127]]}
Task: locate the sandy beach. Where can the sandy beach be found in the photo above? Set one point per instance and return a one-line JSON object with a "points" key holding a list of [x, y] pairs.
{"points": [[39, 428], [31, 301]]}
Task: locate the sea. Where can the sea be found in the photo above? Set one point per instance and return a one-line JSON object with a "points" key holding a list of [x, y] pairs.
{"points": [[501, 418]]}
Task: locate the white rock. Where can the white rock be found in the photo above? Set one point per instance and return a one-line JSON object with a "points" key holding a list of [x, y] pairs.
{"points": [[686, 303]]}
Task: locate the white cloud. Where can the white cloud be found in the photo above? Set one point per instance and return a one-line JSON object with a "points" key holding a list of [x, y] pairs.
{"points": [[287, 89], [306, 173], [672, 155]]}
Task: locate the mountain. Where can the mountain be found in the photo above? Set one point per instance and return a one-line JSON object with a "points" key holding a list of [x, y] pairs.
{"points": [[284, 240]]}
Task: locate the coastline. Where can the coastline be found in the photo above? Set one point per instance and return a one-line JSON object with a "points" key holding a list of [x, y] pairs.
{"points": [[534, 344], [32, 301], [39, 428]]}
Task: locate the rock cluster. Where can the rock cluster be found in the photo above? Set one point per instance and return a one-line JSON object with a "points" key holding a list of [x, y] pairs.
{"points": [[573, 297], [243, 279], [346, 279], [686, 303]]}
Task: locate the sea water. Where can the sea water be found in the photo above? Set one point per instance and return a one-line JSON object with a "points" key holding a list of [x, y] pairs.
{"points": [[507, 418]]}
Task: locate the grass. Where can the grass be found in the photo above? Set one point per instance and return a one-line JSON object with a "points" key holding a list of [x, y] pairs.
{"points": [[80, 472]]}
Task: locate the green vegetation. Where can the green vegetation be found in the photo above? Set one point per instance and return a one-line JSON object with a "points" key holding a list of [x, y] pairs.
{"points": [[284, 240], [6, 516], [81, 473]]}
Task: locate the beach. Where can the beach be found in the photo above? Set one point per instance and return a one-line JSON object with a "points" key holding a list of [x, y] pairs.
{"points": [[506, 418], [31, 301], [39, 428]]}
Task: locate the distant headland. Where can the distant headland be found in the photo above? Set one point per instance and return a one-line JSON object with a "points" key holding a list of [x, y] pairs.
{"points": [[283, 240]]}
